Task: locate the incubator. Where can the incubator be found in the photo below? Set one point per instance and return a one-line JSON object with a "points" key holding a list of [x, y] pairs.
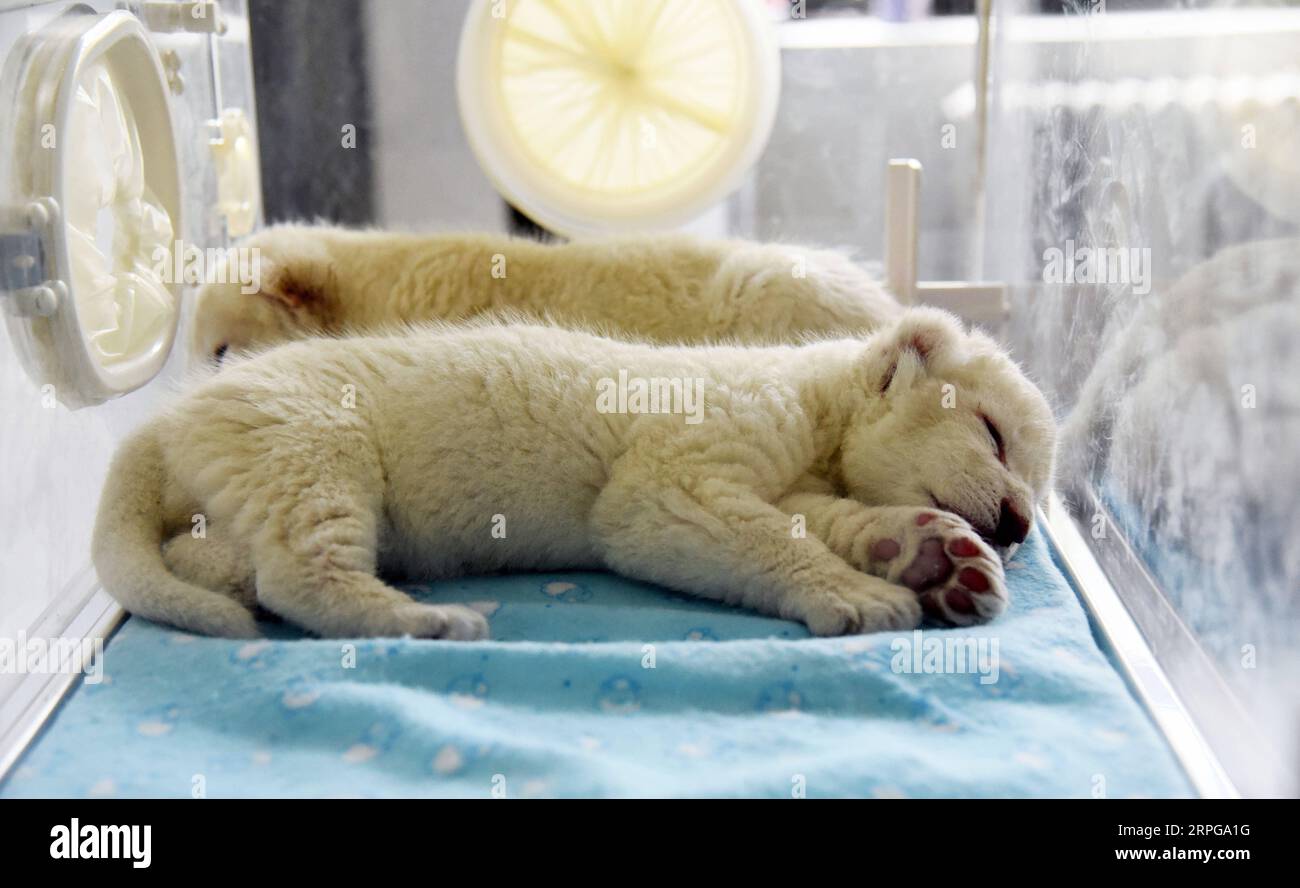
{"points": [[1112, 189]]}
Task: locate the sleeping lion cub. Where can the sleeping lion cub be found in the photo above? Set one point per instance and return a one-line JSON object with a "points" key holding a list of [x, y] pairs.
{"points": [[843, 483], [668, 289]]}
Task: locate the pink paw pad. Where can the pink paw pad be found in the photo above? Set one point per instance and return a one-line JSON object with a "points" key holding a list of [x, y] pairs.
{"points": [[964, 547], [884, 550], [973, 580], [930, 566], [960, 601], [924, 518]]}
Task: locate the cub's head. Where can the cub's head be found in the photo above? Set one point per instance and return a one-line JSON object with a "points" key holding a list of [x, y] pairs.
{"points": [[275, 288], [951, 422]]}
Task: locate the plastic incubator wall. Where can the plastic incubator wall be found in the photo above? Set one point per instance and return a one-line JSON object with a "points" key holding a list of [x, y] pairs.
{"points": [[53, 459]]}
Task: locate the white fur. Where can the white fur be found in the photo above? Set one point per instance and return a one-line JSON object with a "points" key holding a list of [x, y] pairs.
{"points": [[666, 288], [308, 494]]}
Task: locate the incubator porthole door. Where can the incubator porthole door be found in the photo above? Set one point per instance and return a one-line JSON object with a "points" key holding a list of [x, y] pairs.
{"points": [[595, 117], [92, 206]]}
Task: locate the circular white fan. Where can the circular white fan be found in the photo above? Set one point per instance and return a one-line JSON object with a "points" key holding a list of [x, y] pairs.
{"points": [[94, 162], [594, 116]]}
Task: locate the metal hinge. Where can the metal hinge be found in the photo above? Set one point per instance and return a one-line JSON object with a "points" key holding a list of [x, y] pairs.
{"points": [[24, 287]]}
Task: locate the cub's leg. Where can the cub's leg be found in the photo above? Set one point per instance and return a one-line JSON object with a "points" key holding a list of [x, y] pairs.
{"points": [[213, 562], [315, 558], [936, 554], [721, 540]]}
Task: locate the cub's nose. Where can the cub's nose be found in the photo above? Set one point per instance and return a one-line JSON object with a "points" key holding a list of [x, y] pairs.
{"points": [[1012, 526]]}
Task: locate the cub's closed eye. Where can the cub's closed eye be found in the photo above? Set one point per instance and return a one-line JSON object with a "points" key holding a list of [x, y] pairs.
{"points": [[220, 352], [998, 445]]}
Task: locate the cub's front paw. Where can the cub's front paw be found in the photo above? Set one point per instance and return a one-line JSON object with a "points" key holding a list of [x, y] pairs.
{"points": [[454, 622], [871, 606], [937, 555]]}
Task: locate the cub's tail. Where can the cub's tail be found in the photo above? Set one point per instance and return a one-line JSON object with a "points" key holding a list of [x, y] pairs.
{"points": [[127, 548]]}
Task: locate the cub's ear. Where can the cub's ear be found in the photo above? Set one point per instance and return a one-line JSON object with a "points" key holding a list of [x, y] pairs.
{"points": [[295, 268], [294, 286], [922, 340]]}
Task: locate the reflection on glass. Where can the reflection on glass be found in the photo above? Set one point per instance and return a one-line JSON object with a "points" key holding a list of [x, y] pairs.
{"points": [[1145, 184]]}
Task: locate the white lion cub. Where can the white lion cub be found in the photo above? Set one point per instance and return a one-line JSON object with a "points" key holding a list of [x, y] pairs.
{"points": [[320, 464], [668, 289]]}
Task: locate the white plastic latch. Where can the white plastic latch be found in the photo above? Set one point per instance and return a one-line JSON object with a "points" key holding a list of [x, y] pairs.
{"points": [[239, 187]]}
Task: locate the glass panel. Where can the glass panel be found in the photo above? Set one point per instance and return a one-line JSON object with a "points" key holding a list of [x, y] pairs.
{"points": [[53, 460], [1144, 188], [856, 91]]}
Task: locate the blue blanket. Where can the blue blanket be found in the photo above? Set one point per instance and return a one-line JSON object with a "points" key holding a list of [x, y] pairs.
{"points": [[596, 685]]}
